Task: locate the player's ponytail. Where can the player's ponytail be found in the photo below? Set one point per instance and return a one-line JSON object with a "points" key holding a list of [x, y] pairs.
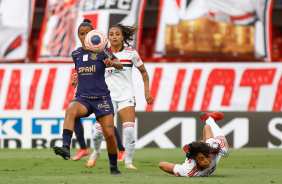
{"points": [[86, 22], [128, 32]]}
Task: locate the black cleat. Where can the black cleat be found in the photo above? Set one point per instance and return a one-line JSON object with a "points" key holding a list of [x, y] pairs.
{"points": [[62, 151], [114, 170]]}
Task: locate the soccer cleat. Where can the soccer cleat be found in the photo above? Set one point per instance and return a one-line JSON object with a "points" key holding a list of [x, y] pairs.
{"points": [[129, 166], [215, 115], [114, 170], [81, 153], [62, 151], [92, 159], [121, 155]]}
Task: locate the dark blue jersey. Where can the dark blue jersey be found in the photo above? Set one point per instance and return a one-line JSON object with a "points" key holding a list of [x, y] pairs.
{"points": [[91, 72]]}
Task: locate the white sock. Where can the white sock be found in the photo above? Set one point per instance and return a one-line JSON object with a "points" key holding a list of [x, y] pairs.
{"points": [[97, 137], [128, 130], [217, 132]]}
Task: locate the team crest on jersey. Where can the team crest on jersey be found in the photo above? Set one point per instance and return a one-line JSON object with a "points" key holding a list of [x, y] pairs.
{"points": [[93, 56], [114, 71]]}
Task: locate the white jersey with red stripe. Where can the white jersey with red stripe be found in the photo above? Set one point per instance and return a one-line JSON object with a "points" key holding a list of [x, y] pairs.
{"points": [[120, 81], [190, 168]]}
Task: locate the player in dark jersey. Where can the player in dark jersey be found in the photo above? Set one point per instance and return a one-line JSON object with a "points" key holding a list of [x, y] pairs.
{"points": [[92, 96], [122, 93]]}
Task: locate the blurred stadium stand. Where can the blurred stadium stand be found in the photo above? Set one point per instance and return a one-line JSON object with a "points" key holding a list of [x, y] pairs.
{"points": [[149, 32]]}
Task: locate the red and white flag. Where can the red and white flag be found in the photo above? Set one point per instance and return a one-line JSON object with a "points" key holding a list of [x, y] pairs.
{"points": [[15, 27], [174, 87], [62, 18]]}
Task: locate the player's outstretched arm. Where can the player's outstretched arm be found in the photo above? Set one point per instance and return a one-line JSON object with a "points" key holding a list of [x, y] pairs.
{"points": [[167, 167], [113, 63], [145, 76]]}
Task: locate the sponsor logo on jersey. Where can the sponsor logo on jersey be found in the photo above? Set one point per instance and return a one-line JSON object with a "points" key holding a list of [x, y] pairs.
{"points": [[105, 105], [87, 70], [110, 71]]}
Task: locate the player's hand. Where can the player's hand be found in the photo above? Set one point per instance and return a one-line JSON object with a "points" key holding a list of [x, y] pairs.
{"points": [[108, 62], [149, 98], [74, 81]]}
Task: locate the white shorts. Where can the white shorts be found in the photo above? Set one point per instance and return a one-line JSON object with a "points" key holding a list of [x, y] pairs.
{"points": [[118, 105]]}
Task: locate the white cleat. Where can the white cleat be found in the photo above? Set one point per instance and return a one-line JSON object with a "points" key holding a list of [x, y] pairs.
{"points": [[129, 166], [92, 159]]}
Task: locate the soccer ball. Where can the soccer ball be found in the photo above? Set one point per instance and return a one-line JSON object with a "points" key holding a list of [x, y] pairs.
{"points": [[96, 41]]}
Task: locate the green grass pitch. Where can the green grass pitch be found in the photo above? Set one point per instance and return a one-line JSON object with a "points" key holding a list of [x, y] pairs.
{"points": [[246, 165]]}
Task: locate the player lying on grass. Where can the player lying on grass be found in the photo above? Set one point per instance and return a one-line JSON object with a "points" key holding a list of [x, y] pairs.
{"points": [[202, 157]]}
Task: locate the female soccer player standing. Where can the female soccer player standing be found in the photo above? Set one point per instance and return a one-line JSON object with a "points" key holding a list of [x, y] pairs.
{"points": [[92, 96], [202, 157], [122, 94]]}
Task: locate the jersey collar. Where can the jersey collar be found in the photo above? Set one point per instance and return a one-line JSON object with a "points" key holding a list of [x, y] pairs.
{"points": [[122, 47]]}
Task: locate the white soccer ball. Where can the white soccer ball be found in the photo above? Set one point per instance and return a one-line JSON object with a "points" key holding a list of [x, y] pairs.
{"points": [[96, 41]]}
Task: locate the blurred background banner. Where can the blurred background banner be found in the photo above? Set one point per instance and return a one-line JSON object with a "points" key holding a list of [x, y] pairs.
{"points": [[15, 27], [35, 86], [175, 129], [221, 29], [43, 129], [37, 129], [59, 30], [174, 86]]}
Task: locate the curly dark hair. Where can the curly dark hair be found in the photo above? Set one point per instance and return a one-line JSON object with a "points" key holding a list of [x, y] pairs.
{"points": [[128, 32], [86, 22], [200, 147]]}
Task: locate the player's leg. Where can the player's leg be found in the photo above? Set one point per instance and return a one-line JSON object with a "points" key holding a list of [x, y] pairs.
{"points": [[97, 138], [207, 132], [167, 167], [79, 132], [107, 124], [119, 142], [210, 119], [74, 110], [127, 115], [121, 149]]}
